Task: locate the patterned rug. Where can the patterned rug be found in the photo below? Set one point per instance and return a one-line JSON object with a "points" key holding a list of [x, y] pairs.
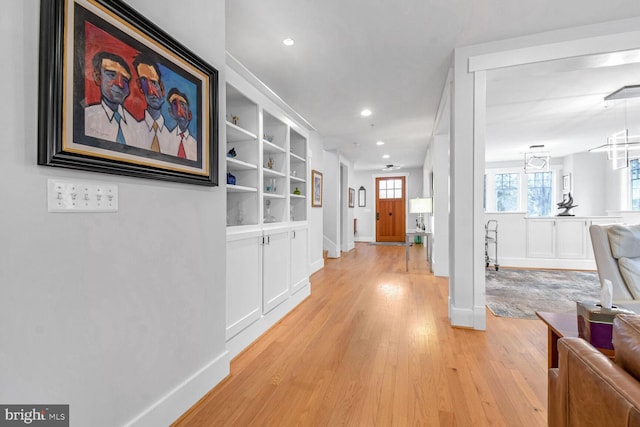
{"points": [[520, 293]]}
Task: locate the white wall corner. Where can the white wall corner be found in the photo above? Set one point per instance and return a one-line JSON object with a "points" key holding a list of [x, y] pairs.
{"points": [[331, 247]]}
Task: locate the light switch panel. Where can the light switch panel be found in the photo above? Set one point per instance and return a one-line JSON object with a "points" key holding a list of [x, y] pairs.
{"points": [[66, 196]]}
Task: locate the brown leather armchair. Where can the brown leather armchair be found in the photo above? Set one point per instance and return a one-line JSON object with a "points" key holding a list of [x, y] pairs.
{"points": [[589, 389]]}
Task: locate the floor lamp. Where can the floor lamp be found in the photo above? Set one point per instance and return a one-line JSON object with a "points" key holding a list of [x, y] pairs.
{"points": [[421, 206]]}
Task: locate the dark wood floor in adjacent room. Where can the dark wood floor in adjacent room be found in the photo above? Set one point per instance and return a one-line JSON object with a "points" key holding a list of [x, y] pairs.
{"points": [[372, 346]]}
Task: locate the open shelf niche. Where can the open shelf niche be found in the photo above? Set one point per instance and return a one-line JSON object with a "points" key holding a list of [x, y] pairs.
{"points": [[298, 173], [242, 159]]}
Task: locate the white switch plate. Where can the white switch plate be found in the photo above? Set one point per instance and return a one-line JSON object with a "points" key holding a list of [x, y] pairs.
{"points": [[66, 196]]}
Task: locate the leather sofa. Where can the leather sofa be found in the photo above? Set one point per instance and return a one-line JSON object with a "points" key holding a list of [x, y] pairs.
{"points": [[616, 249], [589, 389]]}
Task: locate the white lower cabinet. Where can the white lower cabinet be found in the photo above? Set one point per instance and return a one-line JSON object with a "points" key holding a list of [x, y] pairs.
{"points": [[299, 258], [244, 281], [571, 238], [556, 238], [267, 276], [541, 238], [562, 237], [275, 269]]}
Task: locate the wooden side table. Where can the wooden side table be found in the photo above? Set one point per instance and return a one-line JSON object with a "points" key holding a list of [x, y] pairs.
{"points": [[562, 325], [559, 325]]}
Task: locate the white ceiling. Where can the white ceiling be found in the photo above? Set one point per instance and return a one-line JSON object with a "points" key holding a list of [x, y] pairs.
{"points": [[393, 57], [559, 104]]}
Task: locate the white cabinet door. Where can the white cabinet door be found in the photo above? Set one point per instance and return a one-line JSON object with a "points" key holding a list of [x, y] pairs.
{"points": [[541, 238], [299, 258], [571, 238], [244, 281], [275, 278]]}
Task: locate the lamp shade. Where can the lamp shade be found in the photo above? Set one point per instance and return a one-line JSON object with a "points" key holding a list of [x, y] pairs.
{"points": [[421, 205]]}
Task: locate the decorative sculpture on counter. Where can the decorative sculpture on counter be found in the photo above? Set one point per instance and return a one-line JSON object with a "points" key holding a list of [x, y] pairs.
{"points": [[232, 153], [566, 204]]}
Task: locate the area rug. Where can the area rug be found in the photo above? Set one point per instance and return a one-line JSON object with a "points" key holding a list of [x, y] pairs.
{"points": [[520, 293]]}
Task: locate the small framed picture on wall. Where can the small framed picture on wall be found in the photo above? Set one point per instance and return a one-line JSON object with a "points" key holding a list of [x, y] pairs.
{"points": [[566, 183], [316, 189]]}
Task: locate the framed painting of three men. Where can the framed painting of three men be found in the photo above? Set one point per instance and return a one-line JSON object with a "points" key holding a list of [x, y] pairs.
{"points": [[119, 95]]}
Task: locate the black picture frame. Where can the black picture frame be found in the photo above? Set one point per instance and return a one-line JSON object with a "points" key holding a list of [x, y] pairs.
{"points": [[86, 67]]}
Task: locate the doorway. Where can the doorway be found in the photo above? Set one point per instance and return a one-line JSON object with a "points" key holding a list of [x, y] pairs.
{"points": [[390, 209]]}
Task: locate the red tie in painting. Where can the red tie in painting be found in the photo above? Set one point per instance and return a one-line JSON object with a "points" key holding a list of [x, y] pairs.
{"points": [[181, 152]]}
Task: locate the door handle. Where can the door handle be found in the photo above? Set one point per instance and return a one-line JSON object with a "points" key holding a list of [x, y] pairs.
{"points": [[377, 216], [390, 213]]}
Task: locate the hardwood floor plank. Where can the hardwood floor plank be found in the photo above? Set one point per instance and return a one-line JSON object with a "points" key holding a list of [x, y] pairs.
{"points": [[373, 346]]}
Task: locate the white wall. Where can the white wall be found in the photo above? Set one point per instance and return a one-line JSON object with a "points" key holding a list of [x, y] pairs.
{"points": [[331, 203], [366, 215], [440, 157], [589, 189], [316, 260], [110, 313]]}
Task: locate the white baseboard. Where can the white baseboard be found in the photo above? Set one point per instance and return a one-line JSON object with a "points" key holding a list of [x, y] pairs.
{"points": [[251, 333], [185, 395], [316, 266], [563, 263], [468, 318]]}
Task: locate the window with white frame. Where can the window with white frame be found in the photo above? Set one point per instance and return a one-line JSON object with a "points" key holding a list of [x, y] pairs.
{"points": [[634, 184], [507, 188], [511, 190], [539, 193]]}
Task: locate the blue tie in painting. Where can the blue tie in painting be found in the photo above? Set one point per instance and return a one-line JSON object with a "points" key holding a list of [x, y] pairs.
{"points": [[120, 137]]}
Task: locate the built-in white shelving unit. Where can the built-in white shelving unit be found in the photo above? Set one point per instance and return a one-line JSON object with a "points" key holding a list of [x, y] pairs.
{"points": [[267, 229]]}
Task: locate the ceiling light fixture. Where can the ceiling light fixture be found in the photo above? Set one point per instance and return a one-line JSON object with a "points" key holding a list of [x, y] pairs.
{"points": [[617, 148], [385, 156], [380, 143], [620, 143], [365, 113], [624, 92], [391, 168], [536, 161], [288, 41]]}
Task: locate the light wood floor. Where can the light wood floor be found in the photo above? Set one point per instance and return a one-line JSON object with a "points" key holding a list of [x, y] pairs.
{"points": [[372, 346]]}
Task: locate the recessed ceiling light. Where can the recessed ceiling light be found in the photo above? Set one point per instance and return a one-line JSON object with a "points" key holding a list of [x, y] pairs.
{"points": [[288, 41], [365, 113], [386, 156], [380, 143]]}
